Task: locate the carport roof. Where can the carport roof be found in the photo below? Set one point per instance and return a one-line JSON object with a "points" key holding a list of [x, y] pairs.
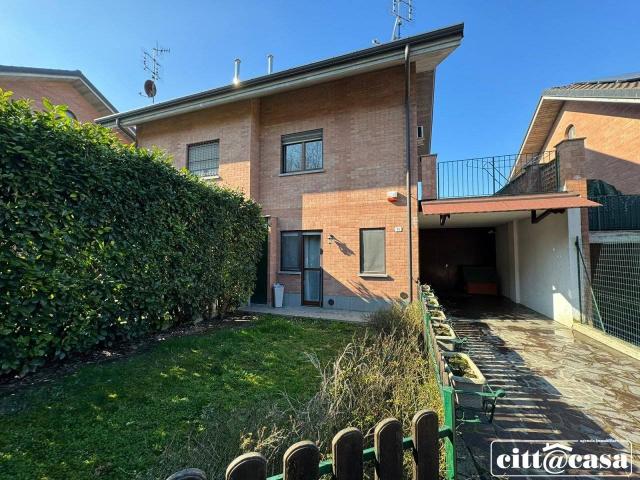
{"points": [[547, 201]]}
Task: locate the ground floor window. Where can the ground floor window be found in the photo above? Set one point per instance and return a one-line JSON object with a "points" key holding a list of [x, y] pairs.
{"points": [[290, 251], [372, 251]]}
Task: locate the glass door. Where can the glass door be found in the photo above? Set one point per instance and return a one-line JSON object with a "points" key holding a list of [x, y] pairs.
{"points": [[311, 269]]}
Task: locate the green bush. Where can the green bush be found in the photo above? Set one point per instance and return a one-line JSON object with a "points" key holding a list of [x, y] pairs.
{"points": [[101, 241]]}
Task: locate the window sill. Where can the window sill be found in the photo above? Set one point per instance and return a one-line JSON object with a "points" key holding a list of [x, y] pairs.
{"points": [[210, 177], [373, 275], [301, 172], [289, 273]]}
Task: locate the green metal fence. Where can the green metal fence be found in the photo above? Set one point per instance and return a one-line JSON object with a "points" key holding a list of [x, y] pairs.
{"points": [[447, 392], [618, 212], [610, 283]]}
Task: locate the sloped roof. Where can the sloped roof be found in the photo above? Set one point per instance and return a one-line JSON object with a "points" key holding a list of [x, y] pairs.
{"points": [[432, 47], [621, 88], [82, 83]]}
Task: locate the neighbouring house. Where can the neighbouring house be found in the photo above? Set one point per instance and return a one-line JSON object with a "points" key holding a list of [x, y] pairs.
{"points": [[524, 226], [326, 149], [592, 129], [62, 87]]}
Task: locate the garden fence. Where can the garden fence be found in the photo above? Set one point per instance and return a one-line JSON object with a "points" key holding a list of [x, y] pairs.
{"points": [[610, 289]]}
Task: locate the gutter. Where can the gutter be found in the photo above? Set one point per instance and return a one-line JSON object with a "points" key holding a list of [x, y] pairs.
{"points": [[385, 54], [126, 131]]}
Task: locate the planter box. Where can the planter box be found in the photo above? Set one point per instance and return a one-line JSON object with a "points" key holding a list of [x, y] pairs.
{"points": [[446, 342], [438, 316], [432, 303], [464, 385]]}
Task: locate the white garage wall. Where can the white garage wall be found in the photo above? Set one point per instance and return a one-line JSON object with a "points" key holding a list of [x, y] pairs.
{"points": [[547, 258], [536, 264]]}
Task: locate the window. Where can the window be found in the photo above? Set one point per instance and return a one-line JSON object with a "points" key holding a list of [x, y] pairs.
{"points": [[290, 249], [203, 158], [372, 254], [570, 132], [302, 151], [420, 131]]}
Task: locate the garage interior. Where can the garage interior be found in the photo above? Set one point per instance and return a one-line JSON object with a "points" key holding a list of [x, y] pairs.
{"points": [[528, 258]]}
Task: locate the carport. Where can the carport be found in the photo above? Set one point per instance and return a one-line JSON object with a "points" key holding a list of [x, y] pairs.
{"points": [[521, 247]]}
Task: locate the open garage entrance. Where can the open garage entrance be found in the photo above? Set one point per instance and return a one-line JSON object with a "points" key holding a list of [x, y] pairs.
{"points": [[459, 260], [519, 247]]}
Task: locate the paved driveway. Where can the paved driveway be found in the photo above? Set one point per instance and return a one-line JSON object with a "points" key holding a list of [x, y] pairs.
{"points": [[559, 384]]}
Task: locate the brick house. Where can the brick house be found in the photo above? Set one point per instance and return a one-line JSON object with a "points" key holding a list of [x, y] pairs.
{"points": [[62, 87], [326, 149], [592, 130], [522, 226]]}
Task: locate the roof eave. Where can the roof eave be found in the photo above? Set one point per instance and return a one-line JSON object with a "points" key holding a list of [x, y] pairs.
{"points": [[57, 74], [298, 77]]}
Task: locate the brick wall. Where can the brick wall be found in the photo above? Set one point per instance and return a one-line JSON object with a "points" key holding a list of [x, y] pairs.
{"points": [[362, 118], [230, 124], [59, 92], [612, 141]]}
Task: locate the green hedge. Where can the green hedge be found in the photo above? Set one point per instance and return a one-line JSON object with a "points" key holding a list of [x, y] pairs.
{"points": [[100, 241]]}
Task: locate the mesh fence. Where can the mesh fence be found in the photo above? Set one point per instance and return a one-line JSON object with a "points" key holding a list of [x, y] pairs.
{"points": [[611, 293]]}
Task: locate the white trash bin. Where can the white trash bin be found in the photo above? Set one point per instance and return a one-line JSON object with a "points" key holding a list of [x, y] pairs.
{"points": [[278, 295]]}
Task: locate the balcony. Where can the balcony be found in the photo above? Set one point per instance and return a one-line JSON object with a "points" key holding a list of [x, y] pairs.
{"points": [[516, 174]]}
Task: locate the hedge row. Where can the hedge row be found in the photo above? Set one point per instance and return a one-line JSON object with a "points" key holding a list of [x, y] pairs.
{"points": [[101, 241]]}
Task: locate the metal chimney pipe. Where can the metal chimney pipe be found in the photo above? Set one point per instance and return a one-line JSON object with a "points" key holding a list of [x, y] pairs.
{"points": [[269, 64], [236, 71]]}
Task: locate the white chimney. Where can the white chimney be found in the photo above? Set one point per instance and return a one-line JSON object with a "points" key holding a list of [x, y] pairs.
{"points": [[236, 71], [269, 64]]}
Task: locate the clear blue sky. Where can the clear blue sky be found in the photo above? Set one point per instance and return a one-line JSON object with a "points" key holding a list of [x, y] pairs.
{"points": [[485, 93]]}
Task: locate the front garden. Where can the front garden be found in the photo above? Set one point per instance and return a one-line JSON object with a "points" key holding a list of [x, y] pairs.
{"points": [[201, 400], [147, 414]]}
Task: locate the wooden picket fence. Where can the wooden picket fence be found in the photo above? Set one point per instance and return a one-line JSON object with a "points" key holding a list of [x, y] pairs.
{"points": [[302, 460]]}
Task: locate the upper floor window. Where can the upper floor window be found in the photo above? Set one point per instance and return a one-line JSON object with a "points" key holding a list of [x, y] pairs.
{"points": [[570, 132], [203, 158], [302, 151]]}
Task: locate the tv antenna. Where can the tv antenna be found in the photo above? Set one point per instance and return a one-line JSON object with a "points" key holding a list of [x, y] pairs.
{"points": [[403, 11], [151, 64]]}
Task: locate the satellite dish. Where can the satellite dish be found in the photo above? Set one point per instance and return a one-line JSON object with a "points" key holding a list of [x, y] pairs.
{"points": [[150, 88]]}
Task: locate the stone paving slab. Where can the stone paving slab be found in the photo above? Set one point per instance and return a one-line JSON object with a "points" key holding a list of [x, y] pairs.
{"points": [[310, 312], [559, 385]]}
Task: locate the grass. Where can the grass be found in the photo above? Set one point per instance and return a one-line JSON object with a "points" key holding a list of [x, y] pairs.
{"points": [[118, 419]]}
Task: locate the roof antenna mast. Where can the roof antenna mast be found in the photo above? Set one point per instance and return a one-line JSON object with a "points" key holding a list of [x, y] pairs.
{"points": [[403, 11], [151, 64]]}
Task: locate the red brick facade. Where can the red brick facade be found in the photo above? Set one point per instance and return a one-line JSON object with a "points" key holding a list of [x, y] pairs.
{"points": [[362, 119], [59, 92], [611, 133]]}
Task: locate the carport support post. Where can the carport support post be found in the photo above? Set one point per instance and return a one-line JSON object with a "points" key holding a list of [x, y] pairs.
{"points": [[579, 278]]}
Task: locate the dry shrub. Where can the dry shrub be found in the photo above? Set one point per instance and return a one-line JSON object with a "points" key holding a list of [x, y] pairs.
{"points": [[380, 374]]}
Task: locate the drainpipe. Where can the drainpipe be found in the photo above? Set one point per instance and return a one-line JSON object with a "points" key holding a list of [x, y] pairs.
{"points": [[126, 132], [407, 125]]}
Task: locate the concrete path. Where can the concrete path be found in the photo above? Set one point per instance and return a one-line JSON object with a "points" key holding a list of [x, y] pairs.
{"points": [[560, 385], [310, 312]]}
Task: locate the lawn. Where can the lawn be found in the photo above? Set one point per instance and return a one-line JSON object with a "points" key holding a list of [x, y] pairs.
{"points": [[117, 419]]}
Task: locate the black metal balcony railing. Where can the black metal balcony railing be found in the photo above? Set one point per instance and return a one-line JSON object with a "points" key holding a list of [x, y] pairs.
{"points": [[498, 175], [618, 212]]}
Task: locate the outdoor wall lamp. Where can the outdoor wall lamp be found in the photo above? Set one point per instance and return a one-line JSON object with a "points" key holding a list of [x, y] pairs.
{"points": [[331, 238]]}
